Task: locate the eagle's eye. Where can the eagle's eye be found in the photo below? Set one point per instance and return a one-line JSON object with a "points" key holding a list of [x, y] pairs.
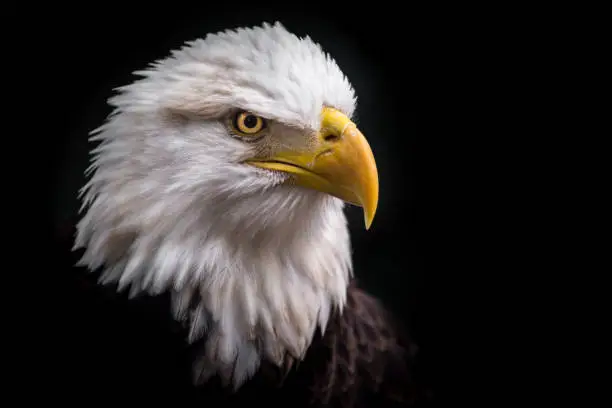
{"points": [[246, 123]]}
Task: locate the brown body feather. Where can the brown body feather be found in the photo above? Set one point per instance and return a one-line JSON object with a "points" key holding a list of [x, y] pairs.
{"points": [[363, 359]]}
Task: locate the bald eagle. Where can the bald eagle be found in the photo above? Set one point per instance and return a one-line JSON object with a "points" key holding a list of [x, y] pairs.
{"points": [[220, 178]]}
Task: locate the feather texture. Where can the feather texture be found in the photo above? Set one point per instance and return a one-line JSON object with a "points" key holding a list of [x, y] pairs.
{"points": [[364, 359], [361, 360]]}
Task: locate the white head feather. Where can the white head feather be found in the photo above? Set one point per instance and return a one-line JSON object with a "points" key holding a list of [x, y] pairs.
{"points": [[255, 264]]}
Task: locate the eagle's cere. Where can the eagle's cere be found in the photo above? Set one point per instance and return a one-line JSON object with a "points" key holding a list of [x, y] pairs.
{"points": [[221, 177]]}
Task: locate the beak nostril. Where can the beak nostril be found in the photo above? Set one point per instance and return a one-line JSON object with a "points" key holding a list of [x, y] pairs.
{"points": [[330, 137]]}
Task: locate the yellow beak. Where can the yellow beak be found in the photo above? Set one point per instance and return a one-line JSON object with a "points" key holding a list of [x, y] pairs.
{"points": [[339, 162]]}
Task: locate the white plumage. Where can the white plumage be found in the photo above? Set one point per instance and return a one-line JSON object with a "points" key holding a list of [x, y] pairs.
{"points": [[170, 205]]}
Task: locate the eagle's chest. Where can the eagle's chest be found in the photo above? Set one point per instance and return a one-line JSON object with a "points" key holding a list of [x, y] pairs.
{"points": [[356, 363]]}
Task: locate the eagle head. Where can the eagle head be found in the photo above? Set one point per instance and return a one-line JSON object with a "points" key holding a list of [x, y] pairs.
{"points": [[220, 177]]}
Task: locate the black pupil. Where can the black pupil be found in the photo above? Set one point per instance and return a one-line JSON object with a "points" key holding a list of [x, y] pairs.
{"points": [[250, 121]]}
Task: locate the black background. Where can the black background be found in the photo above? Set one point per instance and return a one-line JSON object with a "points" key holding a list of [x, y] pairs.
{"points": [[111, 349]]}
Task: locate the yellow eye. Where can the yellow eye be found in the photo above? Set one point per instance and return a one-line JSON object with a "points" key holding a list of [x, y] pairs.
{"points": [[248, 123]]}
